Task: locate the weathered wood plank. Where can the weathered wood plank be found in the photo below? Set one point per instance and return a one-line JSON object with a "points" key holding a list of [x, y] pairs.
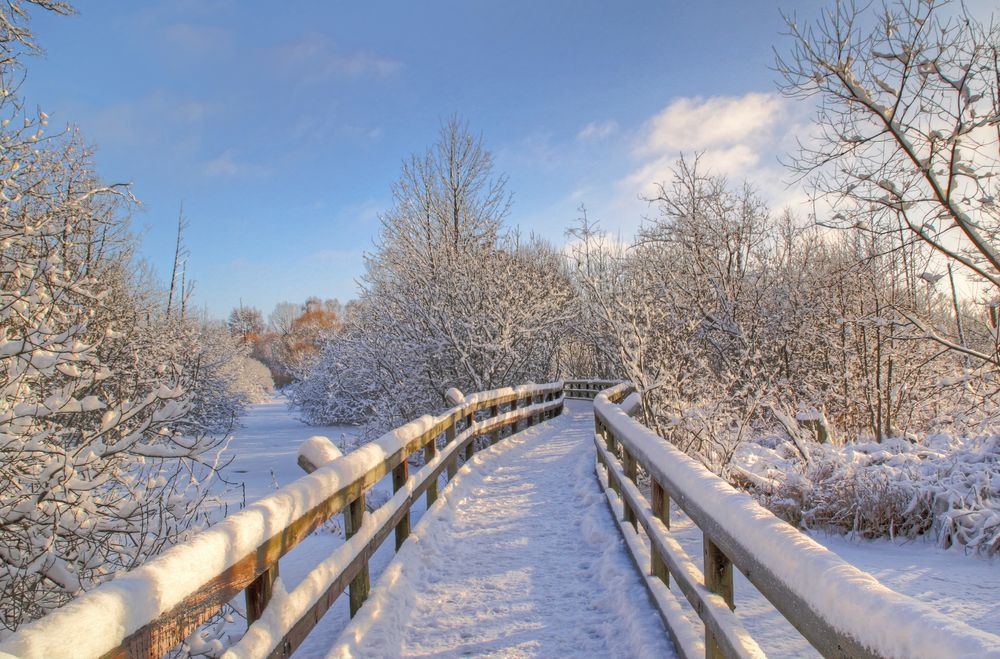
{"points": [[711, 608], [361, 584], [258, 593], [661, 509], [161, 635], [495, 435], [820, 633], [470, 449], [399, 477], [449, 437], [430, 451], [718, 579], [630, 473]]}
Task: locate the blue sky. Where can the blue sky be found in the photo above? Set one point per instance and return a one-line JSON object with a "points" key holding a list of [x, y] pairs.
{"points": [[280, 126]]}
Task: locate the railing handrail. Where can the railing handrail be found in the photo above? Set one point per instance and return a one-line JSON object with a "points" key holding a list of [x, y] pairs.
{"points": [[839, 609], [149, 610], [586, 388]]}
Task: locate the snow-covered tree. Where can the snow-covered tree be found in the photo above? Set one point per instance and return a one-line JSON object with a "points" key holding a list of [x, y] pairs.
{"points": [[247, 323], [223, 378], [94, 475], [908, 103], [449, 297]]}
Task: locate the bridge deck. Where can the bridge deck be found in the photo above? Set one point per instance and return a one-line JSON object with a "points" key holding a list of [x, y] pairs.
{"points": [[518, 558]]}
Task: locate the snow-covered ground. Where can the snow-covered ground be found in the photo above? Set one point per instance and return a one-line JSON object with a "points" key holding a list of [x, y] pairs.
{"points": [[961, 586], [485, 582], [263, 450]]}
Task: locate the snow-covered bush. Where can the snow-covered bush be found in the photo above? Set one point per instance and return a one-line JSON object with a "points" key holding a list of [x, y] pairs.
{"points": [[95, 478], [946, 485], [729, 320], [224, 379], [254, 379]]}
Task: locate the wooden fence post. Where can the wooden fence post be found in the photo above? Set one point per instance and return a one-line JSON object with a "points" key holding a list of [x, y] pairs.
{"points": [[661, 509], [470, 448], [719, 580], [449, 437], [399, 477], [609, 441], [495, 435], [430, 451], [360, 585], [513, 425], [631, 471], [258, 593]]}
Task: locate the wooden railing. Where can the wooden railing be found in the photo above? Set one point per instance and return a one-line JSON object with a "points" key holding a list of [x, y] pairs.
{"points": [[840, 610], [586, 389], [150, 610]]}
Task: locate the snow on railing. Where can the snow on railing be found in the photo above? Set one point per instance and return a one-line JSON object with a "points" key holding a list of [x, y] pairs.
{"points": [[150, 610], [841, 610]]}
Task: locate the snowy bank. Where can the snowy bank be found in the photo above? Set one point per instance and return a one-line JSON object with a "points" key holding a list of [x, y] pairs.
{"points": [[832, 603]]}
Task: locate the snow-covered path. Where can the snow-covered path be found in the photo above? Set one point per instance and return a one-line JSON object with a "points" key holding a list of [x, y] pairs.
{"points": [[519, 558]]}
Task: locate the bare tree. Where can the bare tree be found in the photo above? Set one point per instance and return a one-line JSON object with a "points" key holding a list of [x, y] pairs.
{"points": [[178, 273], [908, 98]]}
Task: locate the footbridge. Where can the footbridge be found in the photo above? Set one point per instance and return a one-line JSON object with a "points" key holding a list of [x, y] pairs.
{"points": [[546, 532]]}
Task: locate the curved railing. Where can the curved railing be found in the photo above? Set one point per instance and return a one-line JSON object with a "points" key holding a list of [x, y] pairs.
{"points": [[586, 389], [841, 610], [150, 610]]}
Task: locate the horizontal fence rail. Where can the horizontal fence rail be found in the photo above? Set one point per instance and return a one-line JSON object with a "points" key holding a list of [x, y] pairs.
{"points": [[586, 389], [152, 609], [840, 610]]}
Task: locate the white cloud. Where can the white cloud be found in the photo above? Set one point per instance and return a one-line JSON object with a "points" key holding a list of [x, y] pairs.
{"points": [[228, 165], [736, 161], [689, 124], [315, 59], [598, 130], [740, 137]]}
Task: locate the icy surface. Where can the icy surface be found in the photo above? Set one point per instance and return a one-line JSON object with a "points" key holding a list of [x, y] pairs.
{"points": [[265, 446], [519, 557]]}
